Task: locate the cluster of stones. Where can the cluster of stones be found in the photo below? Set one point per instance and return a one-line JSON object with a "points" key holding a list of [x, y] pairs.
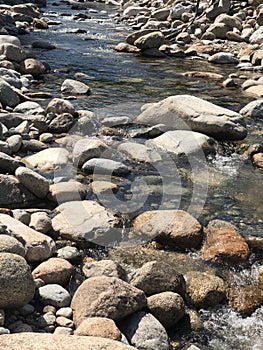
{"points": [[41, 287], [221, 32]]}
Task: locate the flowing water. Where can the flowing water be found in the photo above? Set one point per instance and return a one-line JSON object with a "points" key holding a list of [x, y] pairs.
{"points": [[120, 85]]}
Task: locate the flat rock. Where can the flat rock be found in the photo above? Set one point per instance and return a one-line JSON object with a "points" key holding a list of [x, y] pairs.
{"points": [[88, 148], [139, 152], [48, 159], [103, 267], [62, 192], [11, 120], [185, 112]]}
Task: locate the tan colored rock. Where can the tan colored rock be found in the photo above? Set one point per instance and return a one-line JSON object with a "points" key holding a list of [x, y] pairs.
{"points": [[149, 41], [258, 160], [255, 90], [103, 187], [99, 327], [54, 271], [38, 341], [260, 276], [224, 244], [245, 299], [48, 159], [38, 246], [33, 66], [67, 191]]}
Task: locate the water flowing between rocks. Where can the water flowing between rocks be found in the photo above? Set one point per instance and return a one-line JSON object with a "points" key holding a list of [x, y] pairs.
{"points": [[120, 84]]}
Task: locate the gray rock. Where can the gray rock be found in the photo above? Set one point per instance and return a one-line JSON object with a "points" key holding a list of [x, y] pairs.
{"points": [[139, 152], [105, 166], [62, 123], [41, 222], [45, 45], [9, 244], [149, 41], [253, 109], [33, 181], [103, 268], [4, 148], [26, 9], [62, 192], [114, 121], [9, 164], [88, 148], [29, 107], [54, 294], [74, 87], [108, 297], [14, 142], [17, 286], [48, 159], [2, 318], [11, 77], [145, 332], [4, 39], [257, 36], [12, 52], [186, 112], [223, 58], [11, 120], [8, 97], [4, 330], [46, 137], [59, 106], [69, 253], [22, 216], [29, 146], [33, 66], [65, 312]]}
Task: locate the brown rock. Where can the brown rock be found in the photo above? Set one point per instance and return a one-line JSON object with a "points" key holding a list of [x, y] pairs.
{"points": [[125, 47], [255, 242], [258, 160], [255, 90], [245, 299], [99, 327], [107, 297], [260, 276], [224, 244], [33, 66]]}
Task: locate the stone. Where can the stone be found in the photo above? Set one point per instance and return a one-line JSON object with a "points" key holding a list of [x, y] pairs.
{"points": [[223, 58], [105, 166], [9, 244], [109, 297], [181, 143], [222, 6], [103, 268], [245, 299], [139, 152], [255, 90], [257, 36], [69, 253], [204, 290], [9, 164], [59, 106], [253, 109], [161, 14], [150, 41], [38, 246], [65, 312], [167, 307], [15, 142], [39, 341], [44, 45], [144, 331], [61, 124], [33, 66], [8, 97], [34, 182], [74, 87], [218, 30], [131, 38], [99, 327], [189, 112], [64, 322], [125, 47], [11, 52], [53, 294], [26, 309], [88, 148], [10, 39], [21, 215], [17, 286], [12, 120], [29, 107], [62, 192], [63, 330], [175, 228], [4, 148], [46, 137], [156, 277], [48, 159], [41, 222], [132, 11], [54, 271], [230, 21], [103, 187], [26, 9], [45, 320], [223, 244], [258, 160], [87, 221]]}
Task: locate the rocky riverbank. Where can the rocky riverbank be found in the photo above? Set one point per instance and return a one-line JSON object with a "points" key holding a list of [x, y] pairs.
{"points": [[69, 225]]}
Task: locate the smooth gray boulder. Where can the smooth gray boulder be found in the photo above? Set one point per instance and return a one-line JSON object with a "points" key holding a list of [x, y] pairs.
{"points": [[54, 294], [8, 97], [105, 166], [185, 112], [34, 182], [74, 87]]}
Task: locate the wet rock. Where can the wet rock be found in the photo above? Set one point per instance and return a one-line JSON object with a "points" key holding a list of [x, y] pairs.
{"points": [[258, 160], [109, 297], [53, 294], [62, 192], [144, 331], [253, 109], [125, 47], [245, 299], [38, 246], [9, 164], [88, 148], [45, 45], [74, 87], [87, 221], [33, 66], [103, 187], [157, 277], [167, 307], [204, 289], [37, 341], [149, 41], [26, 9], [54, 271], [99, 327], [223, 244], [33, 181], [59, 106], [105, 166], [17, 287], [48, 159], [139, 152], [103, 268], [176, 228], [8, 97], [9, 244], [185, 111]]}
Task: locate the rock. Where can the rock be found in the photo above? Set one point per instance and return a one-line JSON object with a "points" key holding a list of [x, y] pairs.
{"points": [[176, 228], [11, 120], [9, 39], [4, 148], [63, 330], [149, 41], [62, 192], [109, 297], [183, 143], [38, 246], [257, 36], [59, 106], [26, 9], [230, 21], [33, 66], [65, 312], [74, 87], [105, 166], [157, 277], [144, 331], [253, 109], [64, 322], [204, 289], [103, 187], [17, 286], [8, 97], [29, 107], [41, 222], [21, 215], [54, 271], [223, 58], [15, 142], [125, 47], [11, 52], [48, 159], [2, 318], [139, 152], [9, 164], [189, 112], [33, 181], [38, 341], [223, 244], [99, 327], [53, 294], [62, 123], [167, 307], [10, 244], [29, 146], [217, 8], [46, 137], [69, 253], [258, 160], [131, 38], [255, 90], [45, 45], [132, 11], [161, 14], [103, 268], [88, 148], [245, 299]]}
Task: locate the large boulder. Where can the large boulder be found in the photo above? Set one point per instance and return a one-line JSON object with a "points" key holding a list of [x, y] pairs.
{"points": [[149, 41], [107, 297], [185, 112], [9, 244], [48, 159], [17, 286], [74, 87], [8, 97]]}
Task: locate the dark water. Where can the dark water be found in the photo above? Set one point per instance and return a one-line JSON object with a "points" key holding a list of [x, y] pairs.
{"points": [[120, 84]]}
